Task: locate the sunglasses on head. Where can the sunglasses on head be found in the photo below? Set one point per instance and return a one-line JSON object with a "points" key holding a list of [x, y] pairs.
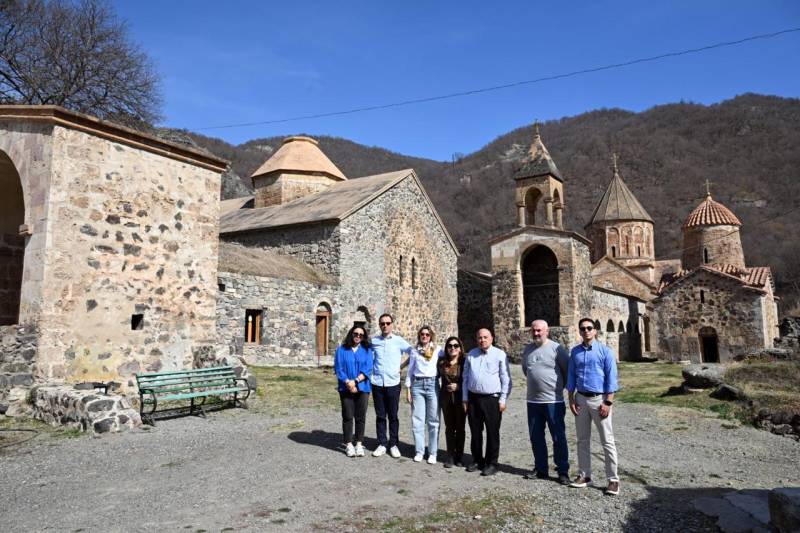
{"points": [[454, 346], [586, 328], [385, 323]]}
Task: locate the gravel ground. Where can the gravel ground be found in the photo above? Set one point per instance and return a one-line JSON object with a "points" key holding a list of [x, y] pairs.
{"points": [[251, 471]]}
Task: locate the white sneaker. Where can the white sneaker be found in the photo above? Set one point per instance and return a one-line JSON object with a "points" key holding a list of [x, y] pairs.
{"points": [[394, 451], [432, 459], [359, 450], [380, 450], [350, 451], [418, 458]]}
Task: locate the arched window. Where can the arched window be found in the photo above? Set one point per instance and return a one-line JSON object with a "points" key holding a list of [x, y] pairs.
{"points": [[610, 326], [613, 251], [705, 255], [639, 251], [702, 296], [540, 285], [413, 273], [621, 327], [532, 208], [597, 325], [400, 271]]}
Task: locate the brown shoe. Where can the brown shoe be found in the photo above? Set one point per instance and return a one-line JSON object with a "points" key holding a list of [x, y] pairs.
{"points": [[581, 482], [613, 488]]}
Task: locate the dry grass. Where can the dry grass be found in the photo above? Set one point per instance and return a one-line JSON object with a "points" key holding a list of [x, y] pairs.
{"points": [[294, 387], [771, 384]]}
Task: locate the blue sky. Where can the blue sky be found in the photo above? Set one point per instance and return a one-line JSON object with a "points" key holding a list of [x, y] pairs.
{"points": [[238, 62]]}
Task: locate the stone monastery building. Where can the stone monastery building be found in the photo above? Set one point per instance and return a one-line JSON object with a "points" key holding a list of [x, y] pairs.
{"points": [[117, 257], [706, 306]]}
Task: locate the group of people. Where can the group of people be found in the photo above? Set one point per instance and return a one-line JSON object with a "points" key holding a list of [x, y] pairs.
{"points": [[475, 387]]}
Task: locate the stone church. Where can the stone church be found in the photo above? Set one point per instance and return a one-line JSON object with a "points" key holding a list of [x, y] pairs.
{"points": [[706, 306], [326, 252]]}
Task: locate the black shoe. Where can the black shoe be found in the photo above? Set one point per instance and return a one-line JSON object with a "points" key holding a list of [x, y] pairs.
{"points": [[490, 470], [535, 474], [474, 467], [457, 461], [448, 463], [563, 479]]}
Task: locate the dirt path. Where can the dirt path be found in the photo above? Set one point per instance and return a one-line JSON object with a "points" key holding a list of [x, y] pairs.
{"points": [[250, 471]]}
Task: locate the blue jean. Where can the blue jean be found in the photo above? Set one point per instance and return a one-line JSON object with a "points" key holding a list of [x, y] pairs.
{"points": [[425, 414], [552, 415]]}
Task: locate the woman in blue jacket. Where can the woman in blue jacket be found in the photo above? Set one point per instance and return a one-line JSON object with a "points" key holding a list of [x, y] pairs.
{"points": [[353, 366]]}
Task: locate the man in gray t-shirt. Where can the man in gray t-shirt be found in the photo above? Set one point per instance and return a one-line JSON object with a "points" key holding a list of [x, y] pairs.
{"points": [[544, 363]]}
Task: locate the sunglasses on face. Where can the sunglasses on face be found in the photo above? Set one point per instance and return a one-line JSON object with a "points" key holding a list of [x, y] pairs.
{"points": [[586, 328], [453, 346], [423, 334], [385, 323], [357, 334]]}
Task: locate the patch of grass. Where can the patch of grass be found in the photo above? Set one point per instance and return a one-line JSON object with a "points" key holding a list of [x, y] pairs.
{"points": [[297, 387], [770, 384], [171, 464], [278, 521], [284, 510], [403, 492]]}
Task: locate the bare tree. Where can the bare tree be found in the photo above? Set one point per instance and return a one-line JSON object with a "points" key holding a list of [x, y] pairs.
{"points": [[76, 54]]}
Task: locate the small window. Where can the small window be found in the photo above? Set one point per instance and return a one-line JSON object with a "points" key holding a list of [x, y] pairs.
{"points": [[639, 251], [705, 255], [137, 322], [610, 326], [613, 251], [252, 326], [621, 328], [400, 270], [413, 273], [221, 287], [702, 296]]}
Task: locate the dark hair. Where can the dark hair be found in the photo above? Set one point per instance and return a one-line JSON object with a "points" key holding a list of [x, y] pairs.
{"points": [[461, 353], [350, 343], [585, 319], [433, 333], [383, 315]]}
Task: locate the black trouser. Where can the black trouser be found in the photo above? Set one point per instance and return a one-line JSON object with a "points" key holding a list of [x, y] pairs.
{"points": [[454, 419], [484, 410], [354, 405], [387, 402]]}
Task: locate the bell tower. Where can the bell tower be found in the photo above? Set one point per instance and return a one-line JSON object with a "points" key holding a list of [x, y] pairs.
{"points": [[539, 188]]}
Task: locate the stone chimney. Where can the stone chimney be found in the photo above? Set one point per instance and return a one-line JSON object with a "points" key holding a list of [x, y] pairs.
{"points": [[297, 169]]}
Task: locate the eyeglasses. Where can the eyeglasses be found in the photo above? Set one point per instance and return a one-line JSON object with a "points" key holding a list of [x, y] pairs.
{"points": [[586, 328], [423, 334], [357, 334], [385, 323], [451, 346]]}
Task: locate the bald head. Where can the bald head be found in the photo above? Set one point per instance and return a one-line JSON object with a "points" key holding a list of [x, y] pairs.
{"points": [[539, 331], [484, 338]]}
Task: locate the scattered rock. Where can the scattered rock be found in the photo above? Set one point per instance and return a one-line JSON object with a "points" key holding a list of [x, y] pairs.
{"points": [[728, 393], [703, 376]]}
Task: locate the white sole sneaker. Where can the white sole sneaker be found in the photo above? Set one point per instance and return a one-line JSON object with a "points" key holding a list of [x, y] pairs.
{"points": [[350, 451], [394, 451], [359, 451], [432, 460], [380, 450], [418, 458]]}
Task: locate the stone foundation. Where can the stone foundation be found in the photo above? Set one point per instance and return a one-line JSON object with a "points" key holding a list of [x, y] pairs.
{"points": [[86, 410], [18, 346]]}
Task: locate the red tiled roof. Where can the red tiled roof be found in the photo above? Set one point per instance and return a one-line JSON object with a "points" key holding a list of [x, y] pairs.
{"points": [[753, 277], [711, 213]]}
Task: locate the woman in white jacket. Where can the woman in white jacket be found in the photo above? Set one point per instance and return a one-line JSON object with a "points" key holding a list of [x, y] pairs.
{"points": [[422, 390]]}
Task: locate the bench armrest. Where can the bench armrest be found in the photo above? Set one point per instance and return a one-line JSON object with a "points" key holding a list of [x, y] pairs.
{"points": [[246, 386]]}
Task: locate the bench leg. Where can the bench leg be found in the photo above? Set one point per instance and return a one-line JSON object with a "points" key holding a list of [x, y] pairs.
{"points": [[195, 408]]}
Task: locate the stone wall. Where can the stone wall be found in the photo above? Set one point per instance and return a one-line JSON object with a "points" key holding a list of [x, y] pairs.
{"points": [[723, 245], [474, 305], [276, 189], [615, 308], [116, 230], [318, 245], [628, 242], [86, 410], [734, 311], [288, 334], [17, 358]]}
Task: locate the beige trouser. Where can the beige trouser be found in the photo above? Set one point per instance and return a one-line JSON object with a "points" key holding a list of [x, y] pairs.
{"points": [[583, 428]]}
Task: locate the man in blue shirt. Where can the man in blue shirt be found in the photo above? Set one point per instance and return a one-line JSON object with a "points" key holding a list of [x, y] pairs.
{"points": [[385, 379], [486, 386], [592, 382]]}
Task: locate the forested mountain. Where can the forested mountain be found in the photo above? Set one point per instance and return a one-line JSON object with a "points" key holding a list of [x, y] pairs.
{"points": [[747, 147]]}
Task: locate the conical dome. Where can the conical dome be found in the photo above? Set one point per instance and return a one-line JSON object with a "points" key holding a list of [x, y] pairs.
{"points": [[300, 154], [711, 213], [618, 203], [537, 162]]}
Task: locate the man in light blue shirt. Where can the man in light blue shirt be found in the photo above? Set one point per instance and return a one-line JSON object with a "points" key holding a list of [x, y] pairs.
{"points": [[389, 350], [592, 382], [486, 386]]}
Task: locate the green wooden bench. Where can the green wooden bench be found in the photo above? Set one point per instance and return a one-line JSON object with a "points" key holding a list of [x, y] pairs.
{"points": [[192, 385]]}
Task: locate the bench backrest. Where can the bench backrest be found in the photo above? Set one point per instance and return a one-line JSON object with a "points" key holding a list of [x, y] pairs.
{"points": [[186, 380]]}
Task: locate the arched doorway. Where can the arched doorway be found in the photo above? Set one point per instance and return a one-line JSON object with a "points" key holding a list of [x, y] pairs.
{"points": [[709, 345], [12, 245], [540, 286], [323, 329]]}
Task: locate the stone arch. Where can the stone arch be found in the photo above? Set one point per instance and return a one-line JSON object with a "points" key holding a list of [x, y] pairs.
{"points": [[610, 326], [621, 327], [614, 242], [597, 326], [539, 268], [324, 318], [534, 207], [12, 244], [709, 344]]}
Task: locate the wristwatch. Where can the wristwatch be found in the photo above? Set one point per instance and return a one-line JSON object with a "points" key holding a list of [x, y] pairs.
{"points": [[608, 403]]}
